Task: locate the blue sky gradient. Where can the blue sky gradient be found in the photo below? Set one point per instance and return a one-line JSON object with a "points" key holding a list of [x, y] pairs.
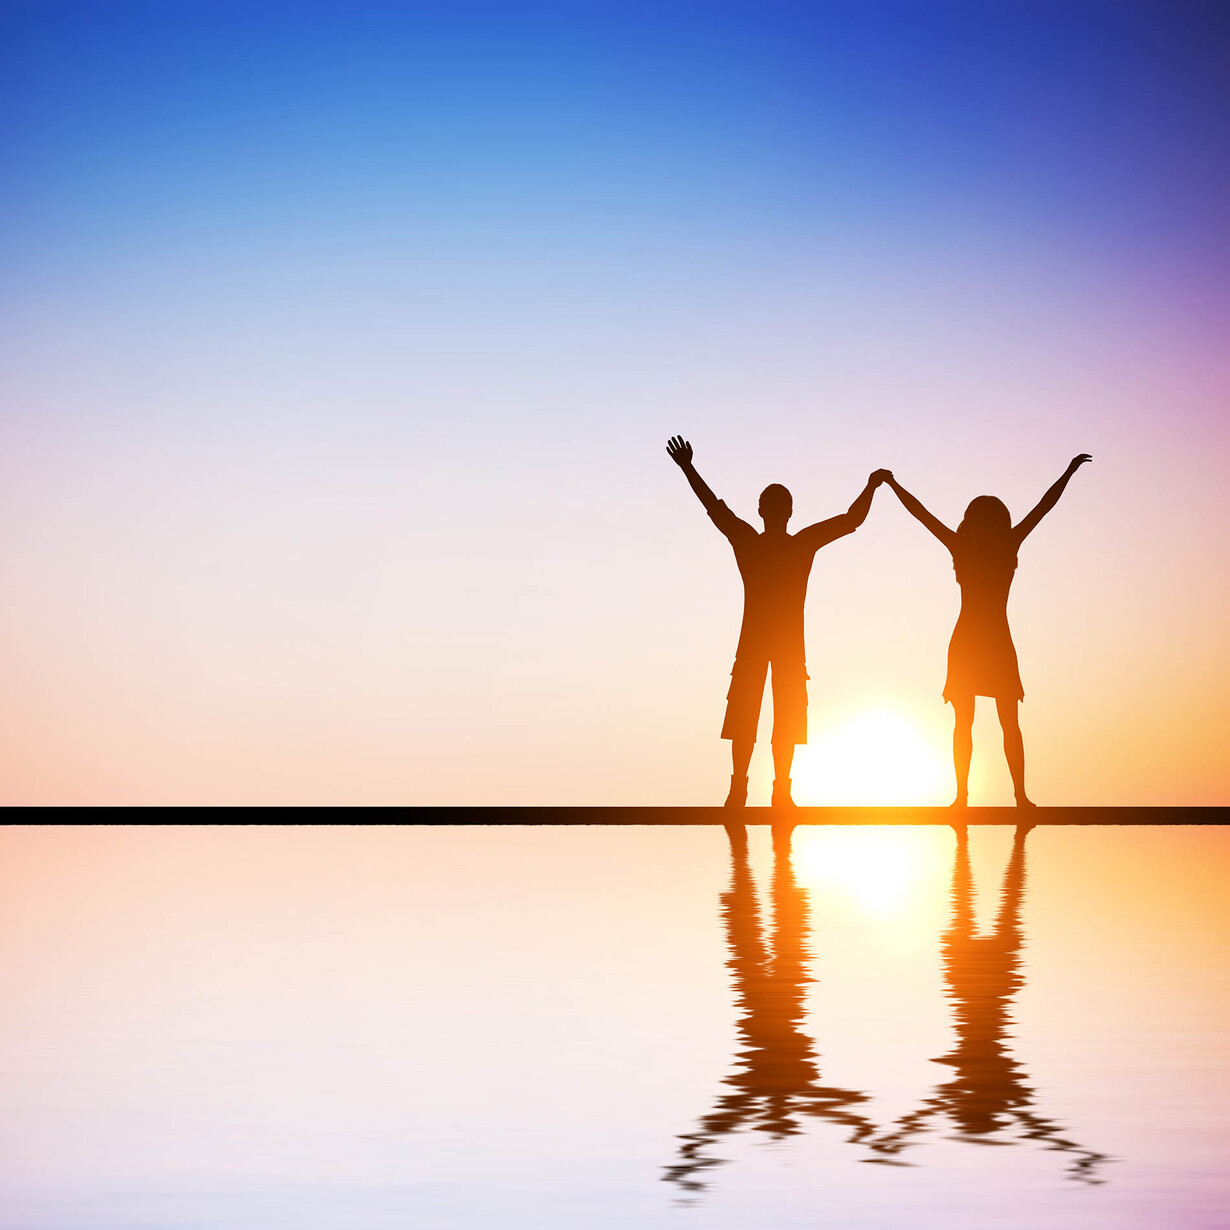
{"points": [[344, 341]]}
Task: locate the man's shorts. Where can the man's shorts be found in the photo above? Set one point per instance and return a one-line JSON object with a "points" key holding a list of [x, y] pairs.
{"points": [[747, 690]]}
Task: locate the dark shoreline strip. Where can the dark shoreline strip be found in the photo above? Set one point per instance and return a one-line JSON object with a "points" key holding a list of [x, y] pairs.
{"points": [[644, 816]]}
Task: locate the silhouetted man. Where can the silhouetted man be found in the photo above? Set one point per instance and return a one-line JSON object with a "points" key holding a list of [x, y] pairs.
{"points": [[775, 567], [776, 1081]]}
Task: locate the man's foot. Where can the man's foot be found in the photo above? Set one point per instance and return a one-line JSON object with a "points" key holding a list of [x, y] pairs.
{"points": [[738, 792], [781, 793], [962, 800], [1022, 801]]}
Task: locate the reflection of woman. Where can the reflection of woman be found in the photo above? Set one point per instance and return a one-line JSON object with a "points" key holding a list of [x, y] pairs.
{"points": [[988, 1091], [981, 656], [777, 1080]]}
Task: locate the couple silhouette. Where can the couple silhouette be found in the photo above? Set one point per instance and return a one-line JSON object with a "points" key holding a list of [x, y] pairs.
{"points": [[775, 567], [777, 1084]]}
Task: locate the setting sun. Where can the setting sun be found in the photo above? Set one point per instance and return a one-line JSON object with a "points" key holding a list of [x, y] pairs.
{"points": [[875, 758]]}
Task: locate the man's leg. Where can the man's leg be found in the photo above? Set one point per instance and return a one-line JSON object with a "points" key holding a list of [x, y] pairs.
{"points": [[742, 716], [789, 724], [741, 756], [783, 759]]}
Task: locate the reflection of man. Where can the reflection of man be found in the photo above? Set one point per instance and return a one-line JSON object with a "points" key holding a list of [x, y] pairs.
{"points": [[777, 1082], [775, 567], [988, 1093]]}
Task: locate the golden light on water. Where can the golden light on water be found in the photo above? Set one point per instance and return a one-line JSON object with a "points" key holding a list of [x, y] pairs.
{"points": [[879, 869], [878, 757]]}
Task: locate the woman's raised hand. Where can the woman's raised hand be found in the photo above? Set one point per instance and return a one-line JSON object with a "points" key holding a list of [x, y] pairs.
{"points": [[1078, 461]]}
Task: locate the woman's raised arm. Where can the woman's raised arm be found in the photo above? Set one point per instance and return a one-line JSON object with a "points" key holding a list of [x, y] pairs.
{"points": [[1050, 499], [917, 511]]}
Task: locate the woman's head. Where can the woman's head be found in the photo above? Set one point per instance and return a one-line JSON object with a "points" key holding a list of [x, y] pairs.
{"points": [[986, 518]]}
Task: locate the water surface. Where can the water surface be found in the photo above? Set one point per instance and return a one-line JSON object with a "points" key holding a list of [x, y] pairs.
{"points": [[354, 1028]]}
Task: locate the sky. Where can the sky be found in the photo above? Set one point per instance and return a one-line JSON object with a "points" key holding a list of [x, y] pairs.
{"points": [[342, 343]]}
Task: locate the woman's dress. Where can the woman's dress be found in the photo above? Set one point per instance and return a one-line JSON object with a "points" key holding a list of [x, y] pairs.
{"points": [[981, 655]]}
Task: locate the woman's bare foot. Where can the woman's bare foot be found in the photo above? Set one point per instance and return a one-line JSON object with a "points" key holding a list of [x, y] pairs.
{"points": [[962, 800], [1022, 801]]}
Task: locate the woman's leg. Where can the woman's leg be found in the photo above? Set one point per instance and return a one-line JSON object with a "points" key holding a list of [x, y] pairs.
{"points": [[962, 746], [1014, 747]]}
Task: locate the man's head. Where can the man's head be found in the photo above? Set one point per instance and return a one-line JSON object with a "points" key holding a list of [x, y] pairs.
{"points": [[776, 505]]}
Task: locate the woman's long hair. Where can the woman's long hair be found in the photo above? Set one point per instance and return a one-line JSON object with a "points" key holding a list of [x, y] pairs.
{"points": [[985, 534]]}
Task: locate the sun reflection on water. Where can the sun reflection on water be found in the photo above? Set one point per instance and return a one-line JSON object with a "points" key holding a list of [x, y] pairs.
{"points": [[880, 869]]}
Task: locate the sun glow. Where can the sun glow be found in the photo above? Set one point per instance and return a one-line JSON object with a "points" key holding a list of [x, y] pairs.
{"points": [[878, 868], [875, 758]]}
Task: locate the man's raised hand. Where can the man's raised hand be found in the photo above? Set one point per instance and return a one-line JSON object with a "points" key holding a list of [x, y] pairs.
{"points": [[879, 476], [679, 450], [1078, 461]]}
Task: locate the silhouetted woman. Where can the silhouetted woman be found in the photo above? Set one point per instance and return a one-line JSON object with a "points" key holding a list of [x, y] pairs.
{"points": [[989, 1095], [981, 656]]}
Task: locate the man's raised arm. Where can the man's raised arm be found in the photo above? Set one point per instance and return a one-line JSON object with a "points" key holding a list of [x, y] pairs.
{"points": [[856, 514], [847, 522], [680, 452]]}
